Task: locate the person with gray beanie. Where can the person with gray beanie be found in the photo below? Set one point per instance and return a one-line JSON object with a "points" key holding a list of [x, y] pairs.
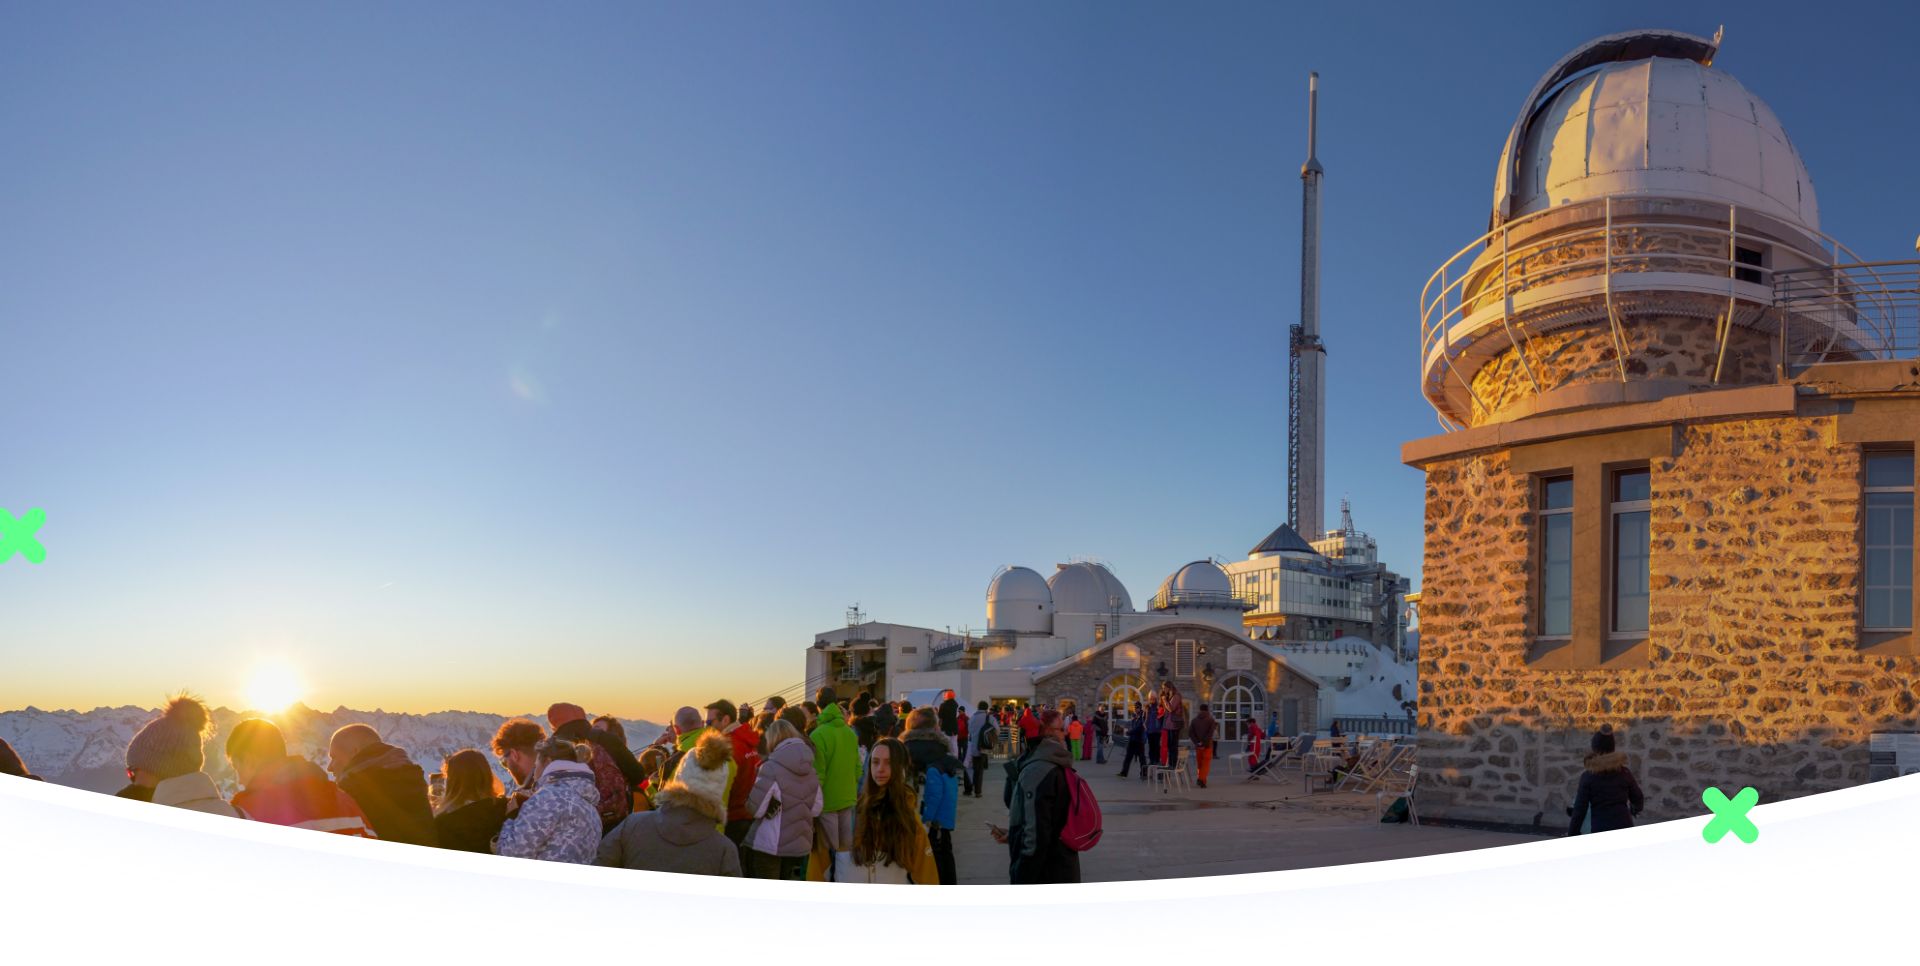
{"points": [[167, 757]]}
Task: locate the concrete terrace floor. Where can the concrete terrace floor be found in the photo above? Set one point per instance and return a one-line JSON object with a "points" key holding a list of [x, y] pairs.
{"points": [[1229, 827]]}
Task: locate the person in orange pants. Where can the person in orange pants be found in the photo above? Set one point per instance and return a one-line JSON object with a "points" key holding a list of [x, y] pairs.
{"points": [[1203, 728]]}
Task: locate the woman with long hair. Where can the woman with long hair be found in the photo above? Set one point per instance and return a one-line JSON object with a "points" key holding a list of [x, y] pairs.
{"points": [[784, 801], [889, 839], [473, 806]]}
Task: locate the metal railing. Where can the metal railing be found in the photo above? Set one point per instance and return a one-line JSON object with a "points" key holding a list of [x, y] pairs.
{"points": [[1596, 248], [1203, 598], [1374, 725], [1848, 313]]}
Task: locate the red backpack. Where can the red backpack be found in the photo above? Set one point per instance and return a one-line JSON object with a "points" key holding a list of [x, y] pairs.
{"points": [[616, 796], [1082, 831]]}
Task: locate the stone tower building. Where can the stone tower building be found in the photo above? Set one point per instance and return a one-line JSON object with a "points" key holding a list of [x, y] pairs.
{"points": [[1675, 489]]}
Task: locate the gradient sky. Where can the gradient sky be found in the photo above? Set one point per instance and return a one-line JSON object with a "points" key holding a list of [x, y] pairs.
{"points": [[476, 356]]}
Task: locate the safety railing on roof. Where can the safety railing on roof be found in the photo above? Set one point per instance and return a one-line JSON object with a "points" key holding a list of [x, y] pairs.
{"points": [[1597, 248], [1848, 313], [1203, 598]]}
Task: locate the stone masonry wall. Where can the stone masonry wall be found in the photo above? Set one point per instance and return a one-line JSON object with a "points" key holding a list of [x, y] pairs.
{"points": [[1658, 347], [1753, 677], [1081, 681]]}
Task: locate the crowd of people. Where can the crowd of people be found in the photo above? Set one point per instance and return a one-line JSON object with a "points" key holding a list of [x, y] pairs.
{"points": [[832, 789]]}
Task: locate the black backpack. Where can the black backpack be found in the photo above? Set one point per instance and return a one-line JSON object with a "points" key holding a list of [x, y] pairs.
{"points": [[988, 735]]}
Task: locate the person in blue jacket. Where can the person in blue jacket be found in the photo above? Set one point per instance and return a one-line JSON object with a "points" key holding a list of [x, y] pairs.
{"points": [[1136, 743]]}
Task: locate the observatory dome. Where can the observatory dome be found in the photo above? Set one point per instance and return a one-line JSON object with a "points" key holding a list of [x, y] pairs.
{"points": [[1085, 588], [1019, 600], [1666, 125], [1199, 584]]}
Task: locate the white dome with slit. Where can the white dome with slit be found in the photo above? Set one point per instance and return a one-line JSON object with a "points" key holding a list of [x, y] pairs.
{"points": [[1659, 126]]}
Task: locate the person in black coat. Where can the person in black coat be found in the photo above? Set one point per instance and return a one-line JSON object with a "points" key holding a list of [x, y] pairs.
{"points": [[1136, 743], [1607, 789], [389, 788], [950, 716], [1039, 800], [473, 809]]}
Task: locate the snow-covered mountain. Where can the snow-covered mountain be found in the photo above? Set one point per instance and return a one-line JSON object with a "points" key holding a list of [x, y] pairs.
{"points": [[87, 749]]}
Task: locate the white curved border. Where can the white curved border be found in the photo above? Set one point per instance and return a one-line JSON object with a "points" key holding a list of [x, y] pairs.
{"points": [[85, 871]]}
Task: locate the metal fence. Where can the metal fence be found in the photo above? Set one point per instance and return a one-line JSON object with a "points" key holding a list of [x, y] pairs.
{"points": [[1848, 313], [1378, 725]]}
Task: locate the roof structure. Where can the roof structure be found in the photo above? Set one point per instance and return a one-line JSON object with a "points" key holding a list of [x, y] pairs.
{"points": [[1283, 540]]}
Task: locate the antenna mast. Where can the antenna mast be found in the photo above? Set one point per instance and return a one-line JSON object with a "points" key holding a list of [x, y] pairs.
{"points": [[1306, 354]]}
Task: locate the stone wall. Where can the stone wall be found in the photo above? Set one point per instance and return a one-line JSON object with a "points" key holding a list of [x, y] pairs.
{"points": [[1081, 681], [1753, 673], [1669, 347]]}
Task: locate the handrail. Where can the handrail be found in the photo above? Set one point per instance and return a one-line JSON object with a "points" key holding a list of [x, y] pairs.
{"points": [[1469, 284]]}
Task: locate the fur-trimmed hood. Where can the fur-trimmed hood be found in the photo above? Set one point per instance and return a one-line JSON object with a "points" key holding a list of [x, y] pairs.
{"points": [[1610, 761]]}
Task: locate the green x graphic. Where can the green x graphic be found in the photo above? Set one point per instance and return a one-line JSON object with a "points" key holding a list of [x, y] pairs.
{"points": [[17, 535], [1730, 815]]}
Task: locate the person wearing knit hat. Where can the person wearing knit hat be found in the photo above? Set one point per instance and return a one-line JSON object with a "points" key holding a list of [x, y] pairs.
{"points": [[570, 723], [168, 757], [682, 833]]}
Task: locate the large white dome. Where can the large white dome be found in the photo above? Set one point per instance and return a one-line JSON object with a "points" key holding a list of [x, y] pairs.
{"points": [[1085, 588], [1643, 114], [1019, 600]]}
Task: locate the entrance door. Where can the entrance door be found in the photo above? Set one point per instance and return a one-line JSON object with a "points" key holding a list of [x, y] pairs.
{"points": [[1289, 716]]}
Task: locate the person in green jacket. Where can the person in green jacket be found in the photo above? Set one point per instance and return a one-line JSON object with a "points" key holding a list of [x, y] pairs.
{"points": [[836, 759], [688, 725]]}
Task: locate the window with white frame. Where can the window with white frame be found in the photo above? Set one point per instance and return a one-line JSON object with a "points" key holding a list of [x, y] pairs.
{"points": [[1630, 541], [1556, 556], [1887, 598]]}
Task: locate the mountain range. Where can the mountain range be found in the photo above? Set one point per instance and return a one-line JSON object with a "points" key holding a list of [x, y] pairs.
{"points": [[87, 749]]}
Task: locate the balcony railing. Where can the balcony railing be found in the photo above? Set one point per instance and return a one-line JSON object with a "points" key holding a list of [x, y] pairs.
{"points": [[1203, 598], [1848, 313], [1598, 250]]}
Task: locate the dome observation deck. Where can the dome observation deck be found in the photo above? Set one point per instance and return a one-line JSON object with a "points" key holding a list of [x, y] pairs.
{"points": [[1650, 219]]}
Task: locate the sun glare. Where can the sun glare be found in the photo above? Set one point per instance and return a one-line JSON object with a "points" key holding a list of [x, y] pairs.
{"points": [[272, 687]]}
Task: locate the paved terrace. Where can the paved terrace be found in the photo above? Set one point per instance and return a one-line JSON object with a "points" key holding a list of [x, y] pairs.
{"points": [[1229, 827]]}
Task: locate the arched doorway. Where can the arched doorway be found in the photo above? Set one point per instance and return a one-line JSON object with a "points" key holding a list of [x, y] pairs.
{"points": [[1119, 693], [1238, 699]]}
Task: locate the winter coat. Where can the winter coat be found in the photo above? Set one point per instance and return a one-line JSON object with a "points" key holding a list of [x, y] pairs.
{"points": [[982, 720], [138, 793], [1035, 817], [1100, 726], [193, 791], [1153, 720], [1136, 729], [1029, 724], [561, 821], [949, 715], [784, 801], [746, 768], [677, 836], [885, 720], [836, 759], [471, 827], [392, 792], [1608, 790], [294, 791], [1205, 726]]}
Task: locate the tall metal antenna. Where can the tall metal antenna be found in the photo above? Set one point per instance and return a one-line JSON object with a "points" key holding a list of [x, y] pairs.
{"points": [[1306, 354]]}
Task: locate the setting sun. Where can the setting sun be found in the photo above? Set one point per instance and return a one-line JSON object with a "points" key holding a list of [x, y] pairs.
{"points": [[272, 687]]}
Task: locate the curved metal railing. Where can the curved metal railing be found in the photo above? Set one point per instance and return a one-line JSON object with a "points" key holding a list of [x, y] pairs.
{"points": [[1474, 290]]}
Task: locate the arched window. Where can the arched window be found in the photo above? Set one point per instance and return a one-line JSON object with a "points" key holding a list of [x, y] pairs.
{"points": [[1119, 693], [1237, 700]]}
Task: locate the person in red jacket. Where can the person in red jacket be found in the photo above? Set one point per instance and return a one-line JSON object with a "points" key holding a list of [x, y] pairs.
{"points": [[723, 718], [1029, 727], [284, 790]]}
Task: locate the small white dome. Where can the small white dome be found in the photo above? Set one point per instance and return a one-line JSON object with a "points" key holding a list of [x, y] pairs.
{"points": [[1199, 577], [1086, 588], [1666, 125], [1019, 600]]}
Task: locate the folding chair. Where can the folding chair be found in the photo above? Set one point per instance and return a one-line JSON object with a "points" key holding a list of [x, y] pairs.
{"points": [[1406, 785], [1373, 767], [1237, 759], [1295, 753]]}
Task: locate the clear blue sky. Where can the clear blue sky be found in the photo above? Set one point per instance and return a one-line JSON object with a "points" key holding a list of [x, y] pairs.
{"points": [[476, 355]]}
